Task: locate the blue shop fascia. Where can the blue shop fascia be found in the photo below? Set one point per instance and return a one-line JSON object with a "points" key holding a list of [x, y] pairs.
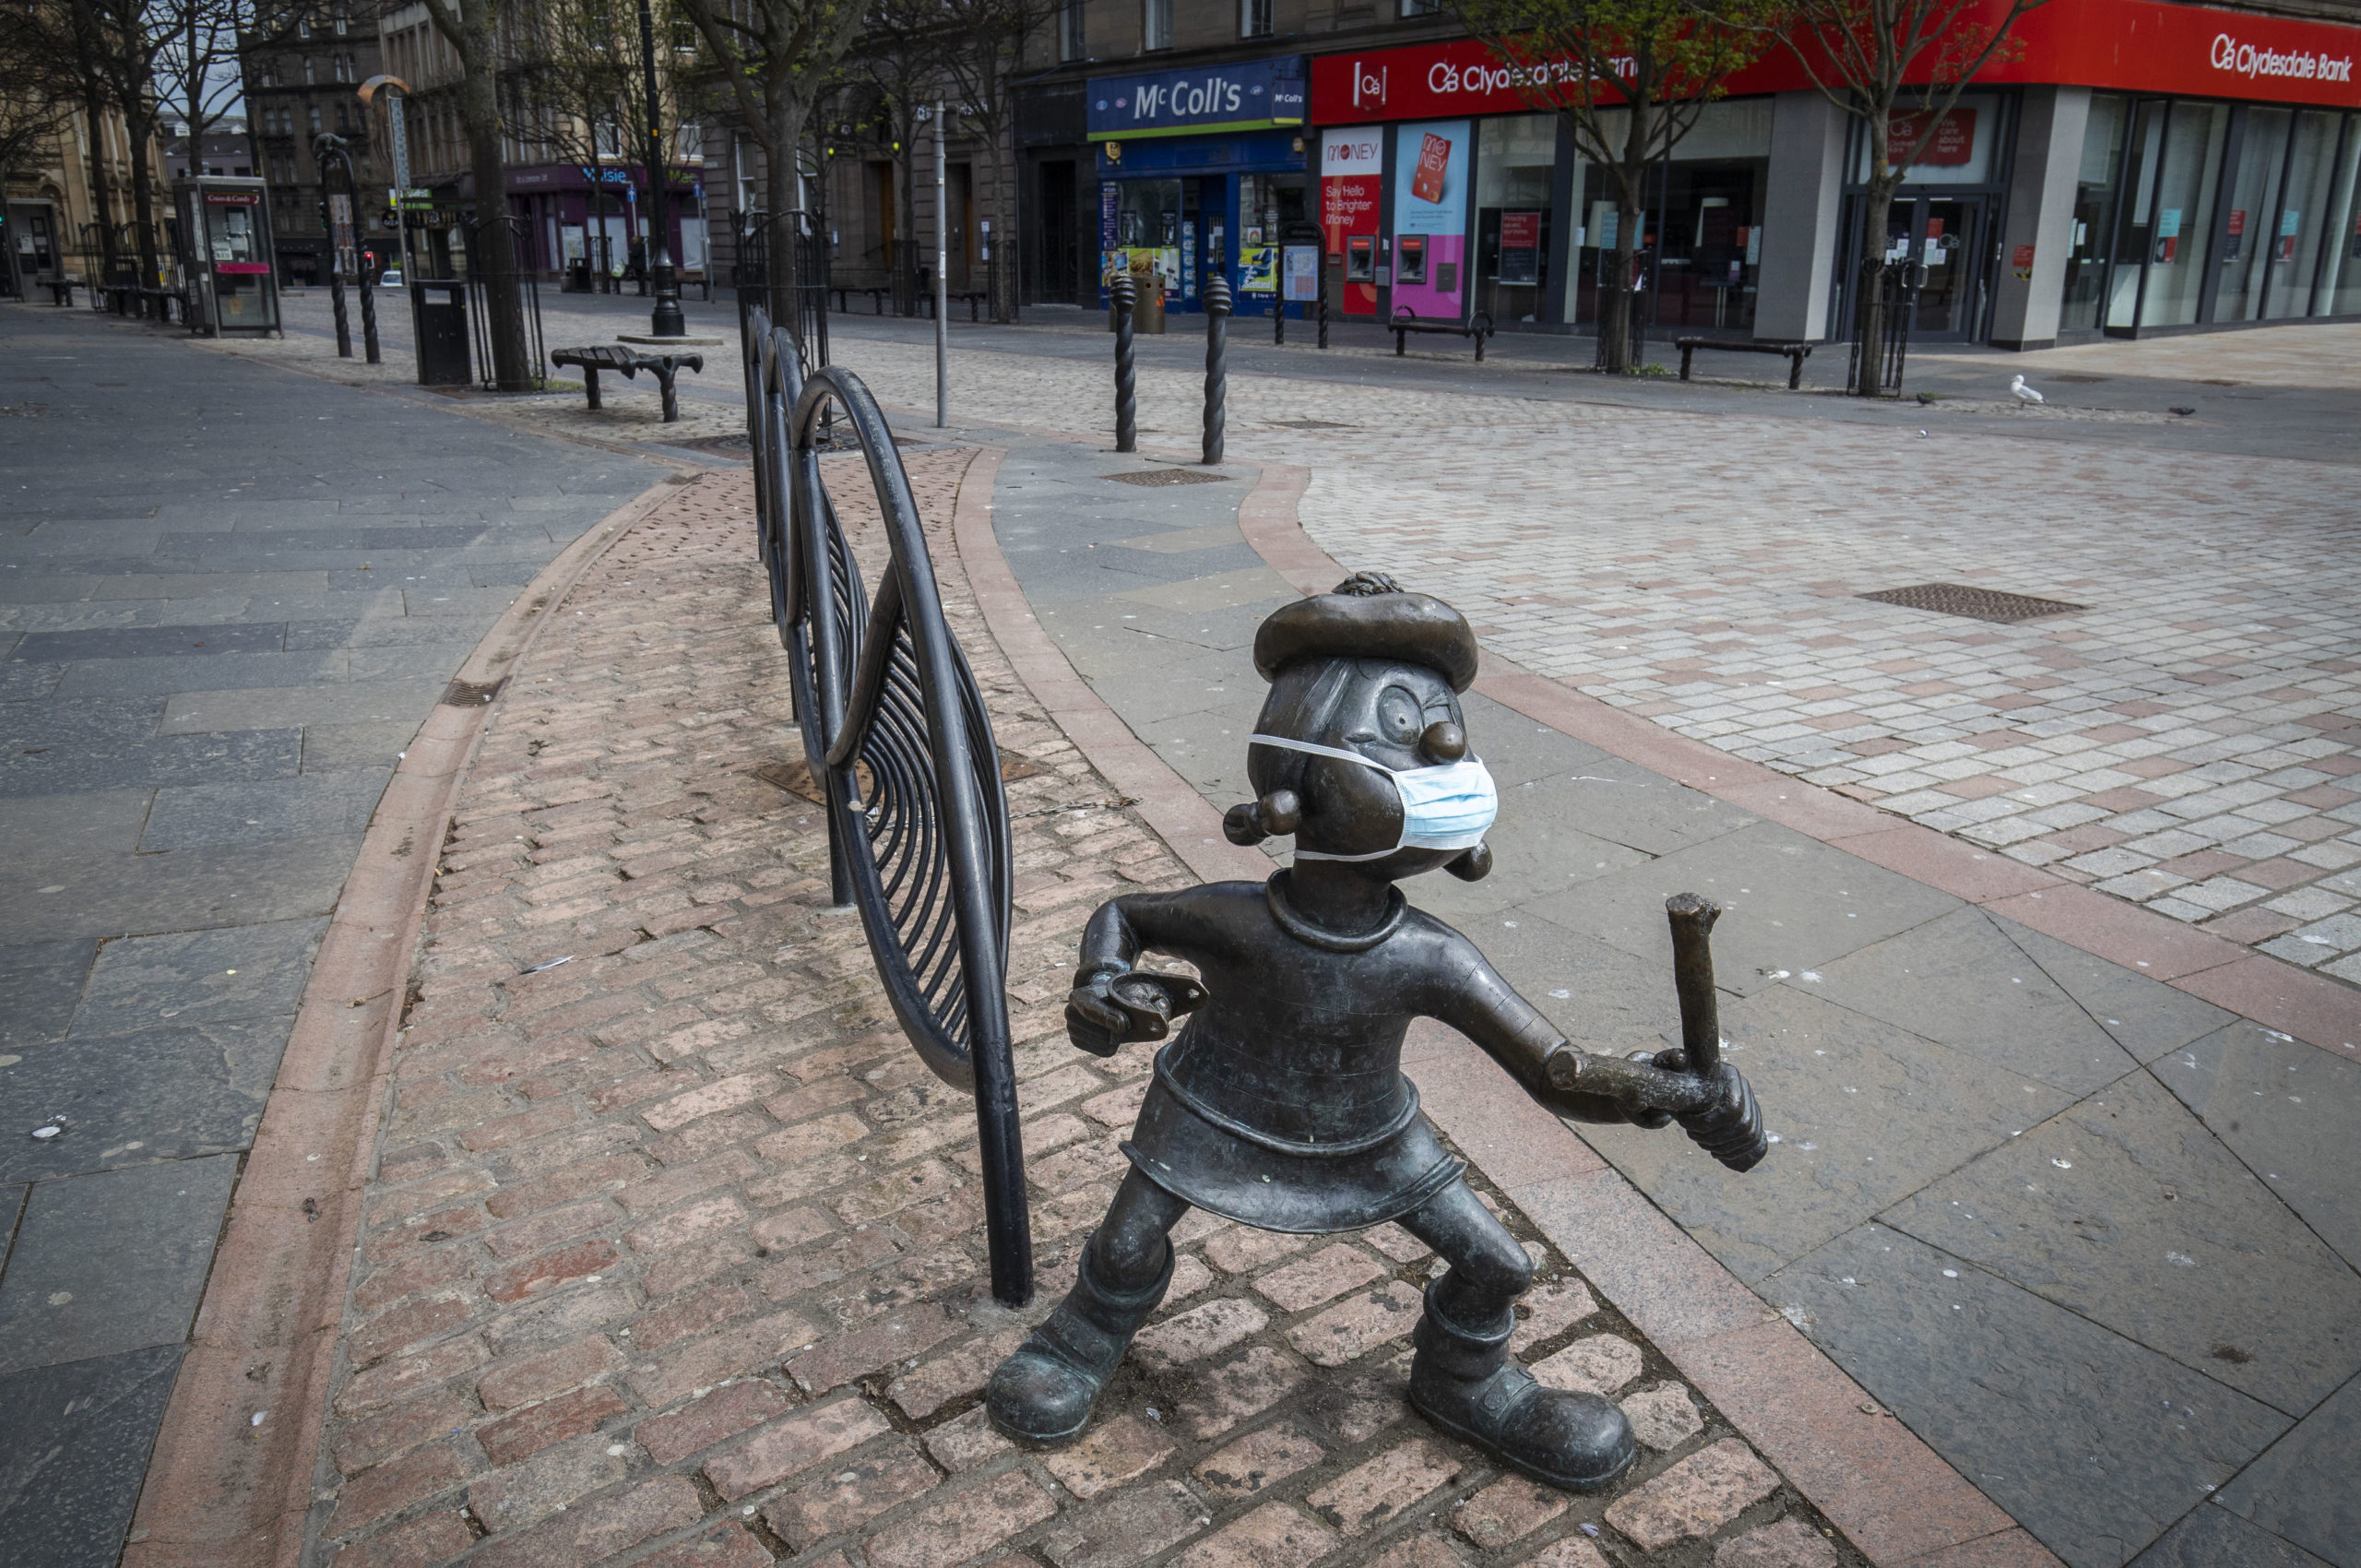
{"points": [[1202, 168]]}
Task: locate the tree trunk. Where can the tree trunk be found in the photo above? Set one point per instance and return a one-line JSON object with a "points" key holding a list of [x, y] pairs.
{"points": [[101, 182], [779, 197], [905, 264], [143, 197], [1616, 304], [492, 253], [1876, 206], [1001, 267]]}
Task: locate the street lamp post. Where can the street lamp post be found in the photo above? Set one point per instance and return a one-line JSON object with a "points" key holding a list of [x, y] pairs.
{"points": [[666, 320]]}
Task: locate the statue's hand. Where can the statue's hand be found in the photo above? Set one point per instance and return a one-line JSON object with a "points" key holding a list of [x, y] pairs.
{"points": [[1108, 1011], [1729, 1126]]}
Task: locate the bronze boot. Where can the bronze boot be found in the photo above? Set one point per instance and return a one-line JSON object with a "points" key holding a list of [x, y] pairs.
{"points": [[1042, 1395], [1468, 1384]]}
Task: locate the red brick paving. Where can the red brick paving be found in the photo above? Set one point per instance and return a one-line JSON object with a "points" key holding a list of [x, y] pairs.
{"points": [[673, 1254]]}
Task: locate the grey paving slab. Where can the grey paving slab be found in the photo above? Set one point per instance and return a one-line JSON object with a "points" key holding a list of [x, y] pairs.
{"points": [[207, 884], [214, 976], [73, 1449], [41, 829], [1790, 904], [387, 631], [225, 714], [1611, 799], [2288, 1111], [131, 756], [2210, 1536], [331, 748], [22, 682], [312, 806], [165, 676], [151, 642], [1867, 1114], [40, 985], [1208, 748], [1961, 981], [172, 1093], [2126, 1210], [2302, 1489], [2147, 1018], [62, 1299], [1603, 998], [2094, 1444]]}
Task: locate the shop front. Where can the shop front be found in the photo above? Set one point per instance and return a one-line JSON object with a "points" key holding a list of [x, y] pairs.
{"points": [[1200, 171], [588, 230], [2129, 167]]}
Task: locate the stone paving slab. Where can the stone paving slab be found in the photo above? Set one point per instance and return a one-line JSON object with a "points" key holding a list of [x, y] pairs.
{"points": [[1918, 1057], [671, 1251]]}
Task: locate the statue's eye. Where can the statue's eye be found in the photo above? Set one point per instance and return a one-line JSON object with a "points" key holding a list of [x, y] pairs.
{"points": [[1399, 717]]}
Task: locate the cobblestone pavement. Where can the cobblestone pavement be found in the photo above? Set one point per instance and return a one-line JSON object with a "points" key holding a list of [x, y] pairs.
{"points": [[672, 1257], [2186, 738]]}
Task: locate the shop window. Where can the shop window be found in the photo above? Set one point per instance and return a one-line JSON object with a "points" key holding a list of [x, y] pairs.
{"points": [[1155, 24], [1515, 166], [2297, 238], [2338, 292], [2095, 204], [1959, 153], [2178, 227], [2247, 240], [1150, 233]]}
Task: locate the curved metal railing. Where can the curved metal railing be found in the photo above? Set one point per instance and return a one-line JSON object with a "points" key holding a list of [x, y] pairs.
{"points": [[895, 733]]}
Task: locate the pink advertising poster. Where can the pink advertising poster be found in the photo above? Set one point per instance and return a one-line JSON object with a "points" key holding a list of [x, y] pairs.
{"points": [[1432, 164]]}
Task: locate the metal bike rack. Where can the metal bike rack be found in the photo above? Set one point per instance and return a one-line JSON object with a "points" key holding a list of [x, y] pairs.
{"points": [[895, 730]]}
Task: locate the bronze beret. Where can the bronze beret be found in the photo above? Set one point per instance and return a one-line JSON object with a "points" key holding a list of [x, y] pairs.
{"points": [[1368, 617]]}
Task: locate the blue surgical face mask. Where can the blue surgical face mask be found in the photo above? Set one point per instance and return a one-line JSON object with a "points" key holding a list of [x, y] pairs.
{"points": [[1449, 806]]}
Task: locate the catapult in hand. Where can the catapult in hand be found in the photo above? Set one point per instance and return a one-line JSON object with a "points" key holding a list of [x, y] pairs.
{"points": [[1282, 1104]]}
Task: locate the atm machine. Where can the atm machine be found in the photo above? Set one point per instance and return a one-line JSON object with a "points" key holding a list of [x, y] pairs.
{"points": [[226, 255]]}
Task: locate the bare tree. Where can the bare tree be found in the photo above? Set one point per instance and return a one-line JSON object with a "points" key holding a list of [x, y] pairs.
{"points": [[582, 86], [1628, 79], [776, 59], [895, 72], [197, 60], [474, 29], [1868, 56], [983, 46]]}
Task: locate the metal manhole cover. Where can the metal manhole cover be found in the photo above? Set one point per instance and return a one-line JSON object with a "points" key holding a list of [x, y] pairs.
{"points": [[1976, 603], [472, 693], [1167, 476], [735, 448]]}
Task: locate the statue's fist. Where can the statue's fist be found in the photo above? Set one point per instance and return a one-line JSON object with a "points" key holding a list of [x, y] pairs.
{"points": [[1108, 1011], [1729, 1126]]}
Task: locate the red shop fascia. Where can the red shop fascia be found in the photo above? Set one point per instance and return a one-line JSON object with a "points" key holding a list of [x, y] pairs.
{"points": [[2139, 46]]}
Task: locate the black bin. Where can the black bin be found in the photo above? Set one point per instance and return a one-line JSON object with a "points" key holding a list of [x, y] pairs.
{"points": [[440, 312]]}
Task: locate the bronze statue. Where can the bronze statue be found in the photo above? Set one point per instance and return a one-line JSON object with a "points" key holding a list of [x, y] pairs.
{"points": [[1282, 1104]]}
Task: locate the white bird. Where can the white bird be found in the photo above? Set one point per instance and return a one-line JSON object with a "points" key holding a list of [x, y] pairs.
{"points": [[2022, 393]]}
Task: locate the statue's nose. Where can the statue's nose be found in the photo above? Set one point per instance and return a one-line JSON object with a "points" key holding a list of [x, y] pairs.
{"points": [[1444, 742]]}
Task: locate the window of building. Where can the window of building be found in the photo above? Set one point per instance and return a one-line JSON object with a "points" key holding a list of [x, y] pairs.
{"points": [[340, 24], [315, 119], [1255, 18], [1422, 8], [1155, 24], [310, 74], [303, 27], [1070, 34]]}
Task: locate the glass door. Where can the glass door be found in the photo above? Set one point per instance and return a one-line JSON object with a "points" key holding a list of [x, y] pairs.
{"points": [[1946, 241]]}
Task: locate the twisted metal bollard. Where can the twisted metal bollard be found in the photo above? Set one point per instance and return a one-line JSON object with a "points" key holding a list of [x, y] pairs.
{"points": [[336, 302], [1323, 313], [1216, 349], [1127, 401], [369, 317], [1278, 323]]}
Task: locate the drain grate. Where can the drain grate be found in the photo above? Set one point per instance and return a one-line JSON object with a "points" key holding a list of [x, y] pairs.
{"points": [[1167, 476], [1976, 603], [472, 693]]}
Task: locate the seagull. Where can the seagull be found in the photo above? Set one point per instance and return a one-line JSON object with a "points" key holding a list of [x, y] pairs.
{"points": [[2022, 393]]}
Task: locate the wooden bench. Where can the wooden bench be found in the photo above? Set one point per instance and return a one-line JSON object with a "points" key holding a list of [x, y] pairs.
{"points": [[1796, 353], [61, 289], [975, 298], [878, 294], [1404, 321], [630, 361]]}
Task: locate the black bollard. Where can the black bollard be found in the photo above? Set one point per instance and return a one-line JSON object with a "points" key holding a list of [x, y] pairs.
{"points": [[1279, 323], [1216, 348], [336, 302], [1127, 402], [1324, 313], [369, 316]]}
